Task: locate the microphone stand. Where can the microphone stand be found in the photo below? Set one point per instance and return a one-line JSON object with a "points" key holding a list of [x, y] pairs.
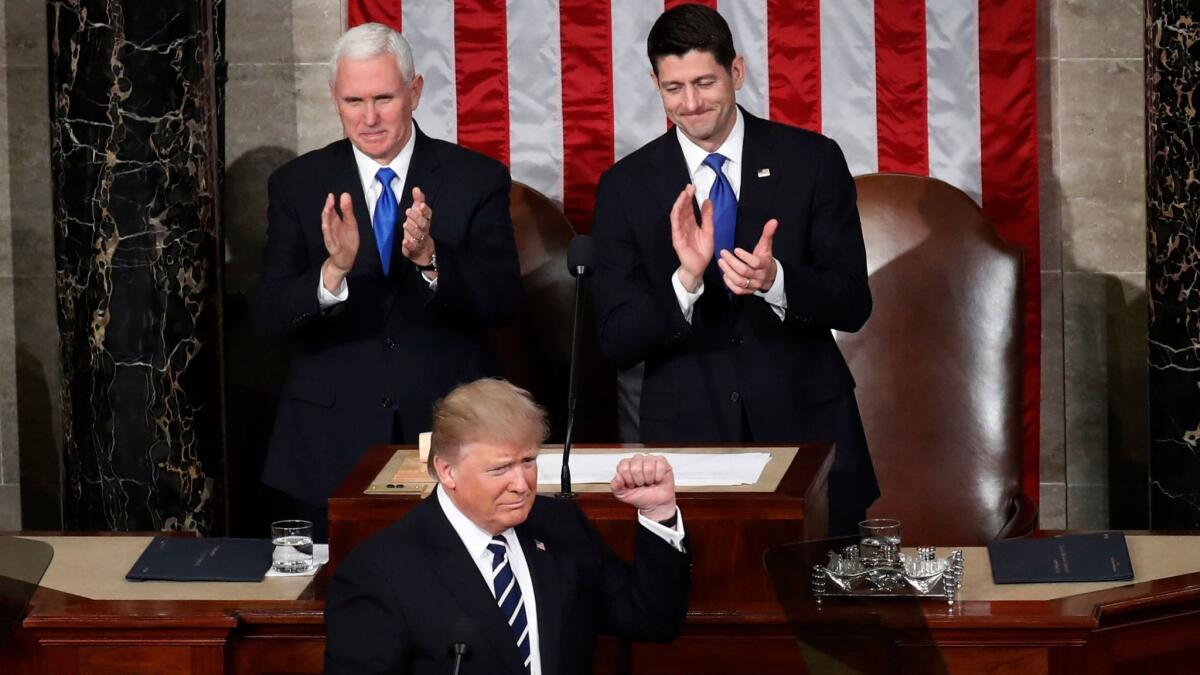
{"points": [[565, 491]]}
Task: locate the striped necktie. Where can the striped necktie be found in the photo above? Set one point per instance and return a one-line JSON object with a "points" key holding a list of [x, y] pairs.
{"points": [[508, 596]]}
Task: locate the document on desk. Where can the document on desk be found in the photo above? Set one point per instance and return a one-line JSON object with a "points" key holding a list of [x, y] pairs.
{"points": [[690, 469]]}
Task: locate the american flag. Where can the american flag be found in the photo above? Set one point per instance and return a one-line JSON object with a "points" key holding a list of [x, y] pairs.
{"points": [[560, 89]]}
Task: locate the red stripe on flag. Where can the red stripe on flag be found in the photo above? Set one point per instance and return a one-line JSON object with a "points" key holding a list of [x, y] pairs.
{"points": [[671, 4], [366, 11], [585, 36], [901, 101], [481, 64], [1008, 130], [794, 61]]}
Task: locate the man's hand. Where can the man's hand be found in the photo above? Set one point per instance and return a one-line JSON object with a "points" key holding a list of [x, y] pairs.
{"points": [[341, 241], [646, 482], [693, 244], [746, 273], [417, 244]]}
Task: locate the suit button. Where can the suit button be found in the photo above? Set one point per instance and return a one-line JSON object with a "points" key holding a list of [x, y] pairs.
{"points": [[735, 397], [386, 402], [735, 340], [389, 343]]}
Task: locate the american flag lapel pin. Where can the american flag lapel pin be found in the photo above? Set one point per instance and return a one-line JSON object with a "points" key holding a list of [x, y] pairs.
{"points": [[540, 546], [763, 173]]}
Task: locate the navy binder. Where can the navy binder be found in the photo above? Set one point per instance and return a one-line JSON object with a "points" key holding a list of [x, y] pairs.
{"points": [[1100, 556], [203, 559]]}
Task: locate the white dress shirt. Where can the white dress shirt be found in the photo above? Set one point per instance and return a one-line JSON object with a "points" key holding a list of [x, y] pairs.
{"points": [[476, 540], [372, 188], [703, 178]]}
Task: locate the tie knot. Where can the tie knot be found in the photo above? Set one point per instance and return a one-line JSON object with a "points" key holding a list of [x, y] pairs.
{"points": [[498, 544], [385, 176], [715, 161]]}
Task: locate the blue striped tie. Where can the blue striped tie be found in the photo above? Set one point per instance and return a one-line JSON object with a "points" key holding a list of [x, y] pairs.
{"points": [[508, 596], [385, 218]]}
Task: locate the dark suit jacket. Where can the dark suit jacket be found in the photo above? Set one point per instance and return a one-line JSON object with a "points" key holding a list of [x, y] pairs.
{"points": [[399, 600], [393, 345], [736, 367]]}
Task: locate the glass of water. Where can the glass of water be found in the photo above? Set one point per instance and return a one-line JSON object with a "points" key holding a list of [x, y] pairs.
{"points": [[293, 546], [880, 540]]}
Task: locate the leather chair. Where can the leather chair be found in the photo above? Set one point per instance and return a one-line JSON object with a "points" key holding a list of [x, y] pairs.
{"points": [[535, 350], [938, 365]]}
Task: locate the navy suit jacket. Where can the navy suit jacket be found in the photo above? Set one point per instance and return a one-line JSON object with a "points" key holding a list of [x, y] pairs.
{"points": [[399, 600], [737, 368], [394, 346]]}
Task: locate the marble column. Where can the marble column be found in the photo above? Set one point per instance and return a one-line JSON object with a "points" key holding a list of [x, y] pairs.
{"points": [[133, 158], [1173, 260]]}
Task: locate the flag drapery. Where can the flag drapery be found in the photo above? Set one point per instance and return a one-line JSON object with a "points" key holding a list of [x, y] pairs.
{"points": [[560, 89]]}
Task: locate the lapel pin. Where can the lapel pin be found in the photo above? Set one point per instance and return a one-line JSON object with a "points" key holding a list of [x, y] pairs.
{"points": [[763, 173], [540, 546]]}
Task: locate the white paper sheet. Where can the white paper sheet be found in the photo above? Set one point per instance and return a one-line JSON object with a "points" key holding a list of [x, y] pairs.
{"points": [[690, 469]]}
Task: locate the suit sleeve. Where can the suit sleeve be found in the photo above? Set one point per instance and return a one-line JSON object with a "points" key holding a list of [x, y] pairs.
{"points": [[287, 295], [646, 600], [829, 289], [366, 631], [637, 315], [479, 277]]}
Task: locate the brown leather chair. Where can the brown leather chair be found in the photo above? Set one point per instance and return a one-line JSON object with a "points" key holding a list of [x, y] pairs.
{"points": [[938, 365], [535, 350]]}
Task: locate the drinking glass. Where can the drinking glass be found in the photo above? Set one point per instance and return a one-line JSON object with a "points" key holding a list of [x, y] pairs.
{"points": [[293, 546]]}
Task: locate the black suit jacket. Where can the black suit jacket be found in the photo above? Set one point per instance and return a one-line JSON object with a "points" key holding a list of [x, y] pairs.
{"points": [[399, 600], [394, 345], [737, 373]]}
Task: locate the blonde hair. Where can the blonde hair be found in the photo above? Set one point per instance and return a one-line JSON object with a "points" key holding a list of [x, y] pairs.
{"points": [[485, 411]]}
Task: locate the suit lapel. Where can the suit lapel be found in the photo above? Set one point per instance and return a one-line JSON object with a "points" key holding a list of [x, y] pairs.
{"points": [[754, 203], [543, 569], [346, 180], [460, 575]]}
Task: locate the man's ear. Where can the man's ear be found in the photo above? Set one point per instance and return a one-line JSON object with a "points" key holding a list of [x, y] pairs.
{"points": [[445, 472]]}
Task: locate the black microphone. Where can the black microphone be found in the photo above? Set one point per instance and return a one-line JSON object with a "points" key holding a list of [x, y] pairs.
{"points": [[461, 627], [579, 262]]}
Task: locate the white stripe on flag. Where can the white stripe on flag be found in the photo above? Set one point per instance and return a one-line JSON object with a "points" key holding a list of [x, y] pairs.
{"points": [[428, 25], [535, 96], [748, 22], [848, 81], [638, 116], [952, 57]]}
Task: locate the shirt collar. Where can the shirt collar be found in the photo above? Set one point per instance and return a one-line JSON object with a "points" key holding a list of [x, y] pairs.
{"points": [[367, 167], [694, 155], [473, 537]]}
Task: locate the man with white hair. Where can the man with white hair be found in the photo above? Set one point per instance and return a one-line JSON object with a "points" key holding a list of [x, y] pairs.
{"points": [[488, 570], [389, 254]]}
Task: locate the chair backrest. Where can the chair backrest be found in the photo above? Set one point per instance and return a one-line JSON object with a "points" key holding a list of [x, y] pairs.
{"points": [[535, 350], [938, 365]]}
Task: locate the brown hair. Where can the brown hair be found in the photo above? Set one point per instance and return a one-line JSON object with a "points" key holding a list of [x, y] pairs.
{"points": [[487, 410]]}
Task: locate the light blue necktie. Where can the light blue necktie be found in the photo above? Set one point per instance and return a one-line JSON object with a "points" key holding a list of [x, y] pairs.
{"points": [[385, 218], [508, 596], [724, 207]]}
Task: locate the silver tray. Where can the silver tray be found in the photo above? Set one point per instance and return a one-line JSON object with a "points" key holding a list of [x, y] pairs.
{"points": [[897, 576]]}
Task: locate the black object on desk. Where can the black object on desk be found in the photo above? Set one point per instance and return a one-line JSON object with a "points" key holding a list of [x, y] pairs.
{"points": [[203, 559], [1099, 556]]}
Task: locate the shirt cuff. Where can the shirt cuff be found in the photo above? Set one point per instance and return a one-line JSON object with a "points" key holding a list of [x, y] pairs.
{"points": [[686, 300], [432, 282], [777, 296], [671, 535], [326, 299]]}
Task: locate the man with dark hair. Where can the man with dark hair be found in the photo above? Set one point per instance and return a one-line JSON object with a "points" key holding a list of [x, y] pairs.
{"points": [[726, 251], [523, 581], [389, 254]]}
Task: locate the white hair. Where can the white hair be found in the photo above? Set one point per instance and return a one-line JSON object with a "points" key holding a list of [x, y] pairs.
{"points": [[369, 40]]}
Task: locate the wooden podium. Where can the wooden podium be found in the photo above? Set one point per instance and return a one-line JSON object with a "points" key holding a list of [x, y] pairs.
{"points": [[733, 616]]}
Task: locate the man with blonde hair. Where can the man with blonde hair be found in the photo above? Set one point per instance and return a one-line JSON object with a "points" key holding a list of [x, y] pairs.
{"points": [[523, 582], [389, 254]]}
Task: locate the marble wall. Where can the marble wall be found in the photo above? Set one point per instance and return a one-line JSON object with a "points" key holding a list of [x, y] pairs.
{"points": [[1093, 227]]}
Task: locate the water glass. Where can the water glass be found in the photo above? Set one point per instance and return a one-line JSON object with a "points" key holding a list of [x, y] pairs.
{"points": [[293, 540], [880, 540]]}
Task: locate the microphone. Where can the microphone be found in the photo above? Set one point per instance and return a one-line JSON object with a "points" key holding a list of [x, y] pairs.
{"points": [[579, 261], [461, 627]]}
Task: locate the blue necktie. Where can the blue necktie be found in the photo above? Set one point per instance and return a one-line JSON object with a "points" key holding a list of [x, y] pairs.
{"points": [[724, 206], [508, 596], [385, 217]]}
